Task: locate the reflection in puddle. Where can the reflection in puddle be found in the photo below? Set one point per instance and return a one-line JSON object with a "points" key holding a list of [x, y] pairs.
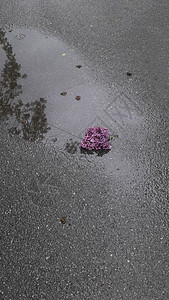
{"points": [[100, 152], [28, 120], [73, 147], [32, 121]]}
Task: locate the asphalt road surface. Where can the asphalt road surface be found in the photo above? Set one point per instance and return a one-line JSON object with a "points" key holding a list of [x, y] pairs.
{"points": [[74, 224]]}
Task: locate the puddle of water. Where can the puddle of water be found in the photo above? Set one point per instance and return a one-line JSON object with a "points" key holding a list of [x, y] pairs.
{"points": [[35, 96], [35, 70]]}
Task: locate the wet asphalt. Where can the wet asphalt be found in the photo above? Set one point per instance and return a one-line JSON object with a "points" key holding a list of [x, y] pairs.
{"points": [[77, 225]]}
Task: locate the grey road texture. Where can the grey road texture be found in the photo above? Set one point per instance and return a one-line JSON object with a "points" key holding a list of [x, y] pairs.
{"points": [[78, 224]]}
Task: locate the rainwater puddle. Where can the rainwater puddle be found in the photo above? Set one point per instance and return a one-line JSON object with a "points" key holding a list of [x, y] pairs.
{"points": [[40, 82], [35, 71]]}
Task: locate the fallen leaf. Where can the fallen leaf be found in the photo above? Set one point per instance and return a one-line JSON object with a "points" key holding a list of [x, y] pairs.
{"points": [[63, 220], [129, 73], [78, 66], [77, 98], [63, 93], [102, 284], [111, 137]]}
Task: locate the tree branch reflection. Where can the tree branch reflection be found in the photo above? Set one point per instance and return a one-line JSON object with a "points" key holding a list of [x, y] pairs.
{"points": [[28, 120]]}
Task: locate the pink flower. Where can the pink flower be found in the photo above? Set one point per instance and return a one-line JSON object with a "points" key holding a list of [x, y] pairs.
{"points": [[96, 138]]}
